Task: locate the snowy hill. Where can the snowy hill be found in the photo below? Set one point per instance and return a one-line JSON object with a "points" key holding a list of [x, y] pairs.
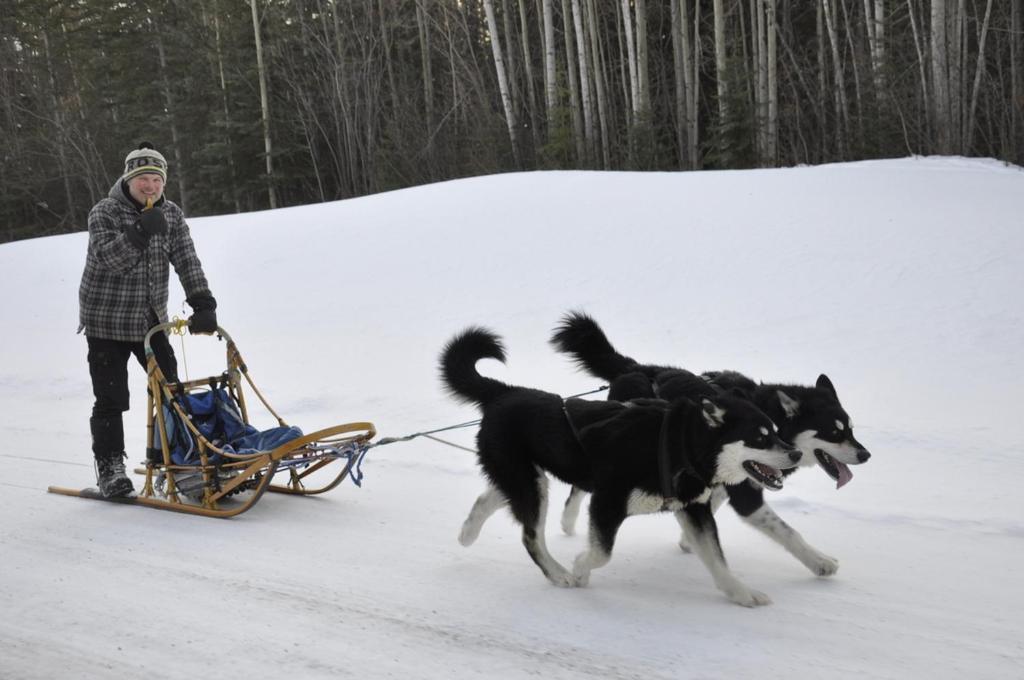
{"points": [[899, 279]]}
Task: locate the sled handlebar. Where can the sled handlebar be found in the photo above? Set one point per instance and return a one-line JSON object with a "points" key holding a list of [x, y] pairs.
{"points": [[177, 326]]}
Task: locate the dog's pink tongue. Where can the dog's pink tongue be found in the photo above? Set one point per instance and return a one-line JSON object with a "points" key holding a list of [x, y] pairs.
{"points": [[844, 473]]}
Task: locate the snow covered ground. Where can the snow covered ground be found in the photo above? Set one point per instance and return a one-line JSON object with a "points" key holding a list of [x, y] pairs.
{"points": [[902, 280]]}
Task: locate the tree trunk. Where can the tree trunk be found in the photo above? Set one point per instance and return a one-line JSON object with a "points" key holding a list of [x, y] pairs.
{"points": [[940, 79], [822, 76], [531, 90], [264, 106], [855, 67], [1016, 84], [510, 63], [61, 134], [395, 100], [226, 110], [954, 43], [625, 65], [634, 94], [584, 62], [453, 67], [880, 67], [642, 62], [720, 61], [678, 31], [842, 108], [571, 68], [550, 79], [600, 83], [165, 87], [426, 68], [772, 139], [922, 64], [759, 30], [499, 66], [346, 141], [688, 83], [694, 117], [872, 26], [92, 173], [978, 69]]}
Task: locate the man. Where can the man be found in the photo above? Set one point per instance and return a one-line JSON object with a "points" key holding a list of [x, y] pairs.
{"points": [[134, 233]]}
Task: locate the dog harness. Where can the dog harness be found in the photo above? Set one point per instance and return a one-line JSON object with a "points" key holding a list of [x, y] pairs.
{"points": [[586, 416]]}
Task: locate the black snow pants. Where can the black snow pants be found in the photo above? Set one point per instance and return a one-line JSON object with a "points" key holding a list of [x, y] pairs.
{"points": [[108, 367]]}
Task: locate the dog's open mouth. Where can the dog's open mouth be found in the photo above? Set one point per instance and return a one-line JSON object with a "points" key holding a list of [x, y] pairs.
{"points": [[765, 474], [836, 470]]}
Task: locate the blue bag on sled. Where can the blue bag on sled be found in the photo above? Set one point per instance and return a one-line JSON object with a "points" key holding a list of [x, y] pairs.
{"points": [[217, 417]]}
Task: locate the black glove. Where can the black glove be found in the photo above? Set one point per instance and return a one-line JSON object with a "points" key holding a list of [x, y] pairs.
{"points": [[204, 318], [151, 223]]}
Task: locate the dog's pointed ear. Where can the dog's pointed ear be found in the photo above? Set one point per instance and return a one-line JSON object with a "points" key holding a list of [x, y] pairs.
{"points": [[713, 414], [790, 406], [825, 384]]}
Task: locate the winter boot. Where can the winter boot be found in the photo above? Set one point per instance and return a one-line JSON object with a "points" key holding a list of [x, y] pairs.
{"points": [[111, 477]]}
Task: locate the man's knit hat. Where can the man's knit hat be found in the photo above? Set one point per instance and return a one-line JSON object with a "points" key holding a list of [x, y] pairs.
{"points": [[142, 160]]}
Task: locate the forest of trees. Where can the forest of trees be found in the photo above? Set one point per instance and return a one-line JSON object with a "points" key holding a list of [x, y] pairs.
{"points": [[268, 103]]}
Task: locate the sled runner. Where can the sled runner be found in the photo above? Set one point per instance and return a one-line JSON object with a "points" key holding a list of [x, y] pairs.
{"points": [[206, 458]]}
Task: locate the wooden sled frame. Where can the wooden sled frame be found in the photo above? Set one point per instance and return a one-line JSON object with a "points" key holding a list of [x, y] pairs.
{"points": [[233, 473]]}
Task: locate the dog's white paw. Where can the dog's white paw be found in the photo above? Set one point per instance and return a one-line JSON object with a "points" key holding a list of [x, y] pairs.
{"points": [[470, 532], [581, 580], [748, 597], [580, 572], [684, 544], [569, 527], [564, 579], [823, 565]]}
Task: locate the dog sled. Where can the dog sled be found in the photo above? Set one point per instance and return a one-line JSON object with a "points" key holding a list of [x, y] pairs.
{"points": [[206, 458]]}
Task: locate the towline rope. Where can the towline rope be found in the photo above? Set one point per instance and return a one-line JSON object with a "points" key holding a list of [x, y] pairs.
{"points": [[428, 433]]}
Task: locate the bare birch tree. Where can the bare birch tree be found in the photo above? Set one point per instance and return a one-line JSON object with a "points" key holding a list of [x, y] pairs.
{"points": [[955, 34], [759, 30], [1016, 85], [978, 70], [694, 138], [721, 61], [218, 56], [584, 64], [634, 94], [531, 90], [642, 61], [61, 131], [264, 106], [180, 173], [550, 77], [423, 30], [680, 71], [571, 69], [940, 78], [503, 87], [880, 33], [772, 135], [841, 106], [600, 85]]}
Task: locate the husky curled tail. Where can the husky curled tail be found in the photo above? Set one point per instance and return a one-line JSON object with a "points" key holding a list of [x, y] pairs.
{"points": [[579, 336], [458, 366]]}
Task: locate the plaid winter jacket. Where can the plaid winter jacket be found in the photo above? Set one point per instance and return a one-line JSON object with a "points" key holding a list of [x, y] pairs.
{"points": [[124, 289]]}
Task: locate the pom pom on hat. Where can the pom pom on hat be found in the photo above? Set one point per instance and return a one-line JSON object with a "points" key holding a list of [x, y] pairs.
{"points": [[144, 159]]}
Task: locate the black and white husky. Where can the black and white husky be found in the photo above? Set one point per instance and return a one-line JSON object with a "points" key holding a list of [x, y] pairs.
{"points": [[647, 456], [810, 418]]}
